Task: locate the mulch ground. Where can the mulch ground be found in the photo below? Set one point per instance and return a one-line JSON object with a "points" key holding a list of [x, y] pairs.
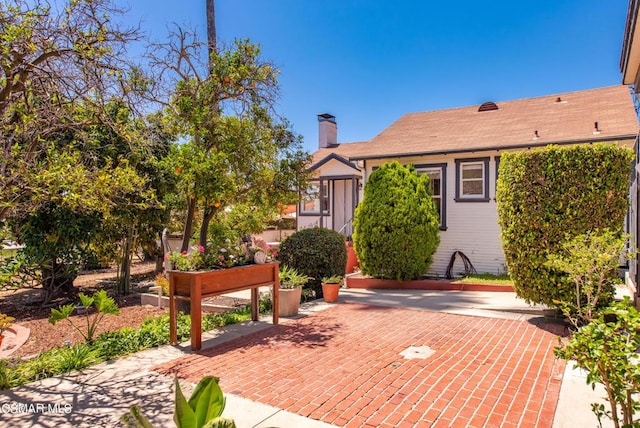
{"points": [[21, 305], [343, 366]]}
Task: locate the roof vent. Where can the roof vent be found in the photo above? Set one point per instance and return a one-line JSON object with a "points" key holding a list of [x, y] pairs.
{"points": [[488, 106]]}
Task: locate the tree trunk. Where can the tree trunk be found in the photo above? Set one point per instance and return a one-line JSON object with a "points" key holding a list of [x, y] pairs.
{"points": [[188, 224], [124, 273], [56, 280], [212, 42], [204, 228]]}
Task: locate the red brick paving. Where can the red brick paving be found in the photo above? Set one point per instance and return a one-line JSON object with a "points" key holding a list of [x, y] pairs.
{"points": [[342, 366]]}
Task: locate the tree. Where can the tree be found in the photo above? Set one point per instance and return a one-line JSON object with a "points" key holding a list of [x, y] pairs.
{"points": [[56, 232], [59, 65], [138, 217], [396, 225], [236, 151], [101, 189]]}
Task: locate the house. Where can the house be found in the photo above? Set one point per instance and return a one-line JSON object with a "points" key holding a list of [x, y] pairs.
{"points": [[460, 150], [630, 68]]}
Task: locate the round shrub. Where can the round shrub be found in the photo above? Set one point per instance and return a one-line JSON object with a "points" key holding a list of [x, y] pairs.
{"points": [[396, 224], [548, 196], [315, 252]]}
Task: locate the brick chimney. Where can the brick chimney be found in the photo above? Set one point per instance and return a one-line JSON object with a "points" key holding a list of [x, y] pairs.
{"points": [[327, 131]]}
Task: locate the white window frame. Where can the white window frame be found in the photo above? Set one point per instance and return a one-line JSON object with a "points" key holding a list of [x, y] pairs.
{"points": [[465, 164]]}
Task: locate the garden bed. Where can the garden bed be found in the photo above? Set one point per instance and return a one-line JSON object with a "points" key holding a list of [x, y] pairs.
{"points": [[361, 281], [44, 336]]}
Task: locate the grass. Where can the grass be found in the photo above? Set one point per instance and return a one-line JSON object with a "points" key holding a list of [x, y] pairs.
{"points": [[486, 278]]}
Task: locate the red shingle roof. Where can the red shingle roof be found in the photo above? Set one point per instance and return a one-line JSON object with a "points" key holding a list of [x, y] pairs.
{"points": [[513, 125]]}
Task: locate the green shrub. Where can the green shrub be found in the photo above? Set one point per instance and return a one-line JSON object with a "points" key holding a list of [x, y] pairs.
{"points": [[546, 196], [76, 357], [9, 376], [607, 349], [591, 262], [45, 365], [396, 224], [315, 252], [112, 344]]}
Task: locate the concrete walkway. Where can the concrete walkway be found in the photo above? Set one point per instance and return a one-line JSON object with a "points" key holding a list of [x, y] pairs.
{"points": [[98, 396]]}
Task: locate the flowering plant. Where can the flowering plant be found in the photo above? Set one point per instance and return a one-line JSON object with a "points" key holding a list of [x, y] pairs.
{"points": [[270, 251], [186, 261], [201, 258]]}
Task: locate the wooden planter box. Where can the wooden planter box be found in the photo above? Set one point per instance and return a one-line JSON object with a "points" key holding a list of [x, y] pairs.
{"points": [[194, 286]]}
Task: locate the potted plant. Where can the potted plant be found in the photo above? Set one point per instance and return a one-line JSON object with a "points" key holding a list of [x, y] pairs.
{"points": [[291, 282], [5, 322], [331, 287]]}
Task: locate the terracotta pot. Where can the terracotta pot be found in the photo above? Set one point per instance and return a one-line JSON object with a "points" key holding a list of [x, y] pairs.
{"points": [[289, 301], [330, 292], [1, 337], [352, 259]]}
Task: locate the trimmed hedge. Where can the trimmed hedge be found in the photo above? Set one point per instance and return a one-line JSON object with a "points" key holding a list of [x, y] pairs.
{"points": [[396, 226], [547, 196], [316, 252]]}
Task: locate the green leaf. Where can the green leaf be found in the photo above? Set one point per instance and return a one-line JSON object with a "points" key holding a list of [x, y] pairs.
{"points": [[184, 416], [135, 418], [60, 314], [86, 300], [105, 304], [207, 400], [220, 423]]}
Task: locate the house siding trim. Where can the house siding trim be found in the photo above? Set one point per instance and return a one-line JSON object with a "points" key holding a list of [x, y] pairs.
{"points": [[485, 178]]}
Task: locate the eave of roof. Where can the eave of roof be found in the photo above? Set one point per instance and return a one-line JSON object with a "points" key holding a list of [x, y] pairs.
{"points": [[496, 148], [330, 157], [630, 55]]}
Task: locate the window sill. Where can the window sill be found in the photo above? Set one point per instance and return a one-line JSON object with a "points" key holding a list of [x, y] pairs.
{"points": [[472, 199], [307, 214]]}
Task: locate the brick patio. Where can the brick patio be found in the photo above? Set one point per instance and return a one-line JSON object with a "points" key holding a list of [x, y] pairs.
{"points": [[342, 366]]}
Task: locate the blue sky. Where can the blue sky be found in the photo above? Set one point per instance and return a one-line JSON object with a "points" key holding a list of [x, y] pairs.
{"points": [[368, 62]]}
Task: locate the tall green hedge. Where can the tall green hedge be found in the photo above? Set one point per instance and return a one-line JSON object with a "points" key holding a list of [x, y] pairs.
{"points": [[547, 196], [396, 224]]}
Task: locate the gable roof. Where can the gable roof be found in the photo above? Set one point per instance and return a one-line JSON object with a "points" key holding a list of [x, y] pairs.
{"points": [[330, 157], [344, 150], [513, 125]]}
